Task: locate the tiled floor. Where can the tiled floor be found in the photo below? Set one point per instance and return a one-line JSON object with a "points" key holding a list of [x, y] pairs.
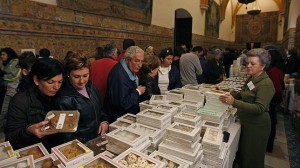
{"points": [[279, 158]]}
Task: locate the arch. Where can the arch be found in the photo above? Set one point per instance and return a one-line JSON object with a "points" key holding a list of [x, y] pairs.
{"points": [[183, 28]]}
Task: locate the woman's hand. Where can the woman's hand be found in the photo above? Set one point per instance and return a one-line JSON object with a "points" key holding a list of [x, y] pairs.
{"points": [[38, 131], [227, 99], [103, 128]]}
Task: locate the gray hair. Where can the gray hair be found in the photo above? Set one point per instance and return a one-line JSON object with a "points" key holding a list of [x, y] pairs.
{"points": [[262, 54], [109, 50], [131, 51]]}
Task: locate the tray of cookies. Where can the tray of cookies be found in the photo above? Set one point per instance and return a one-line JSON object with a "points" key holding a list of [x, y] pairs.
{"points": [[7, 154], [62, 121], [170, 161], [120, 123], [48, 161], [101, 161], [73, 153], [37, 151], [184, 131], [25, 162], [134, 158]]}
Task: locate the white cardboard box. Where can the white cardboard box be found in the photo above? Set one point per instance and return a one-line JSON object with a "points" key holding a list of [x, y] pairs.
{"points": [[188, 118], [184, 131], [170, 161], [153, 133], [37, 150], [7, 154], [26, 162], [158, 99], [47, 161], [128, 117], [77, 152], [120, 123], [101, 160], [154, 118], [131, 156]]}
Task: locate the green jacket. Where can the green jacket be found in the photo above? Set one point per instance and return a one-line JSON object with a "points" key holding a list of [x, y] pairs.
{"points": [[253, 105], [12, 71]]}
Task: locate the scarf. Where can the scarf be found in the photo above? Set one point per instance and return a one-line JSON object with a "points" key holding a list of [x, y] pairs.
{"points": [[132, 76]]}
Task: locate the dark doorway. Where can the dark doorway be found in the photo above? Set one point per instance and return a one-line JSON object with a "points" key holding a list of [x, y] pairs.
{"points": [[183, 28]]}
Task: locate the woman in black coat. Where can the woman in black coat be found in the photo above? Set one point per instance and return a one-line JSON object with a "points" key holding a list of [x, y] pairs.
{"points": [[78, 93], [28, 108]]}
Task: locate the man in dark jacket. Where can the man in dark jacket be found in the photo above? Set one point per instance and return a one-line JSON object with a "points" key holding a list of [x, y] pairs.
{"points": [[123, 92]]}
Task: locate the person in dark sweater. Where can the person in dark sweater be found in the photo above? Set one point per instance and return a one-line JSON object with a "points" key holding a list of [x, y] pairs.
{"points": [[27, 109], [148, 72], [123, 89]]}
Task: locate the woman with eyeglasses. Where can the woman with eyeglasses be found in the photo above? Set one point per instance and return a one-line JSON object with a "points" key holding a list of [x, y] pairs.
{"points": [[252, 104], [168, 77]]}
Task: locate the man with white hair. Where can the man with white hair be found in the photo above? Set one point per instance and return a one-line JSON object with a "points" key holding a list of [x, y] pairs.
{"points": [[123, 90]]}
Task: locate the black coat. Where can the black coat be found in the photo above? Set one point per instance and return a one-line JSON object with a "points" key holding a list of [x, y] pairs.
{"points": [[27, 108], [151, 87], [121, 94], [91, 113]]}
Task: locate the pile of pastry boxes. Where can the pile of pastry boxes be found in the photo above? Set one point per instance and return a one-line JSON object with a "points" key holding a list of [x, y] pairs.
{"points": [[181, 129]]}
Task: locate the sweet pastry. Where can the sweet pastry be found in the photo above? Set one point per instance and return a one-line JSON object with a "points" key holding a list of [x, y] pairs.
{"points": [[47, 164], [142, 162], [35, 152], [131, 158], [72, 151], [69, 123], [123, 162]]}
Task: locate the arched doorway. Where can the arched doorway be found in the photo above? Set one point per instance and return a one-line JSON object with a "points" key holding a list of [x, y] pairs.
{"points": [[183, 28]]}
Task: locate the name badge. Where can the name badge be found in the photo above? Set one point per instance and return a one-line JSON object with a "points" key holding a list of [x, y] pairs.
{"points": [[250, 85]]}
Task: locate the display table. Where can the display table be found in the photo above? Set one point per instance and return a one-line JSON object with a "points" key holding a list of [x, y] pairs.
{"points": [[233, 143]]}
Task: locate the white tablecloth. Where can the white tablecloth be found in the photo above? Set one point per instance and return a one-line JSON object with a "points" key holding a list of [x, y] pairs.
{"points": [[233, 143]]}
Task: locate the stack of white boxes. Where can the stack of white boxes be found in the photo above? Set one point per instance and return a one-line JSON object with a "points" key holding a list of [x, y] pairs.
{"points": [[182, 140], [154, 118], [175, 94], [214, 149]]}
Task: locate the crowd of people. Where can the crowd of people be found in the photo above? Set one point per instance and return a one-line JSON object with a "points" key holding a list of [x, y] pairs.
{"points": [[110, 85]]}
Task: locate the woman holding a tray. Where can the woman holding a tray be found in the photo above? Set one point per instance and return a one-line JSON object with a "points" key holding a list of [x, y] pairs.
{"points": [[78, 93], [252, 104], [28, 108]]}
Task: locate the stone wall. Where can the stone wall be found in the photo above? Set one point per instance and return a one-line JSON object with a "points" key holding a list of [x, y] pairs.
{"points": [[31, 25]]}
